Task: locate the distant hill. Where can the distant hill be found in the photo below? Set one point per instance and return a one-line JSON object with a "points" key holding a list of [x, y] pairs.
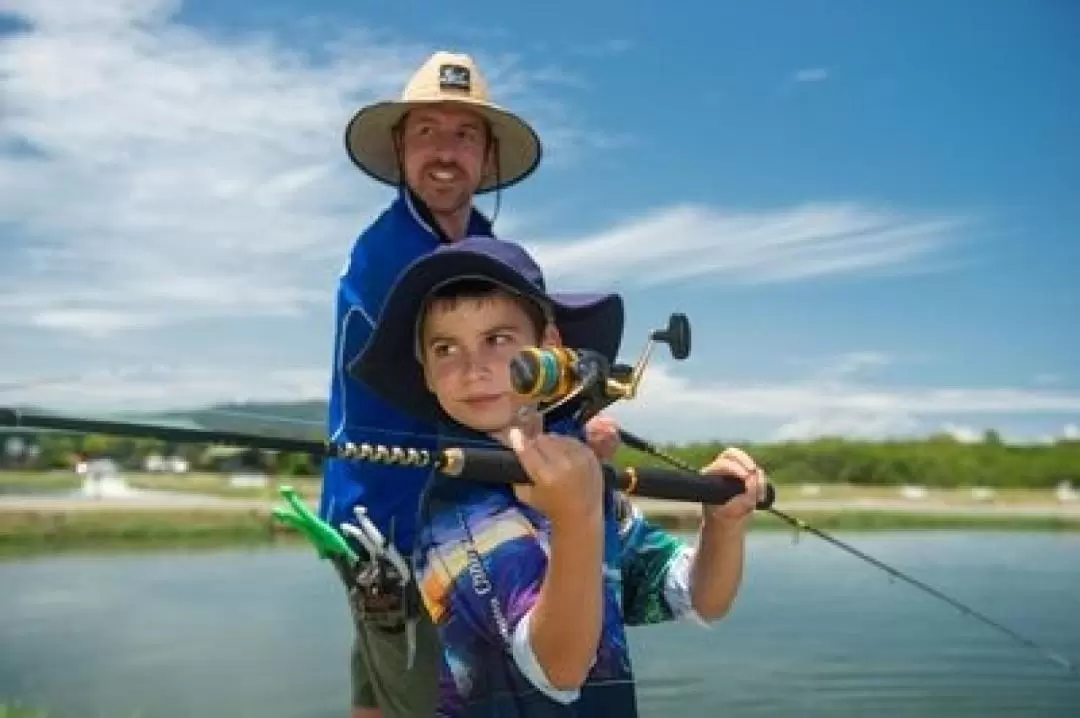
{"points": [[305, 419]]}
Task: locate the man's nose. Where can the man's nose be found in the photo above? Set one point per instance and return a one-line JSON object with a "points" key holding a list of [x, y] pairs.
{"points": [[444, 155], [445, 141]]}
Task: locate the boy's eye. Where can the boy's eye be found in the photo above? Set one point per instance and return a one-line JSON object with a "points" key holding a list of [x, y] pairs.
{"points": [[441, 350]]}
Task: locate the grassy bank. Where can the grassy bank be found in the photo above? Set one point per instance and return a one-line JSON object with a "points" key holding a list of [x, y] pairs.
{"points": [[82, 525], [24, 532], [14, 710], [39, 532]]}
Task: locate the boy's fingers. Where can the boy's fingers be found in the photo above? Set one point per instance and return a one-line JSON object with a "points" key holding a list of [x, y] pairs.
{"points": [[516, 438], [531, 453], [530, 421], [729, 466], [740, 457]]}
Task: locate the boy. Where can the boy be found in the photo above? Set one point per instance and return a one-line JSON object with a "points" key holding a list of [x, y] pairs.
{"points": [[529, 586]]}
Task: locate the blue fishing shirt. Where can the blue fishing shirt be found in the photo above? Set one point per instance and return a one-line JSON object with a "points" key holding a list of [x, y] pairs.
{"points": [[399, 236]]}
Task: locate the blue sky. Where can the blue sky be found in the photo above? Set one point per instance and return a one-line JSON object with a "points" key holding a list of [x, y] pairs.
{"points": [[868, 211]]}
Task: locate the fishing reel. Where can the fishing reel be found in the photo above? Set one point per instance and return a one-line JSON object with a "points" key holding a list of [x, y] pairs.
{"points": [[624, 380], [556, 375]]}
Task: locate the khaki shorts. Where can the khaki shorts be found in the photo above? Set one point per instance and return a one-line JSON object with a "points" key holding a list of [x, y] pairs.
{"points": [[379, 675]]}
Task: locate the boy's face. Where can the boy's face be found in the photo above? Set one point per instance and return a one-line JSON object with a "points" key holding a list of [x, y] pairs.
{"points": [[467, 345]]}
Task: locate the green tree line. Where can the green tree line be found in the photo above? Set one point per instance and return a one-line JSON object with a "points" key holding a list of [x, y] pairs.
{"points": [[62, 451], [937, 461]]}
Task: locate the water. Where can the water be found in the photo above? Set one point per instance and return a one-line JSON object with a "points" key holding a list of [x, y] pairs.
{"points": [[815, 633]]}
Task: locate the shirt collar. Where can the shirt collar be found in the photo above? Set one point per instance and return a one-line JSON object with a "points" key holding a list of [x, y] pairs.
{"points": [[478, 226]]}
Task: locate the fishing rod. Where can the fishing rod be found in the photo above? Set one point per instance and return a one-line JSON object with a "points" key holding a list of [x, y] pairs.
{"points": [[483, 465]]}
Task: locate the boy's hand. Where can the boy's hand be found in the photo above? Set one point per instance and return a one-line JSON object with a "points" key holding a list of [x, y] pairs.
{"points": [[737, 463], [567, 482], [602, 435]]}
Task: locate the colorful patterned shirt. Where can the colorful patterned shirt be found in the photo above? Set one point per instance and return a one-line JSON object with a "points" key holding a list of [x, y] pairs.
{"points": [[480, 560]]}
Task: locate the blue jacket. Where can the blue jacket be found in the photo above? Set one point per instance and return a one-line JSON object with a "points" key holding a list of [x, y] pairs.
{"points": [[390, 494]]}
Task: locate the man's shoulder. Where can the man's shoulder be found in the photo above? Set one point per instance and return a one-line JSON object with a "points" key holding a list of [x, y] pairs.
{"points": [[373, 235]]}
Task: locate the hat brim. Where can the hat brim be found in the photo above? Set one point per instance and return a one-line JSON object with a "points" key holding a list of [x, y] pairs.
{"points": [[370, 145], [388, 364]]}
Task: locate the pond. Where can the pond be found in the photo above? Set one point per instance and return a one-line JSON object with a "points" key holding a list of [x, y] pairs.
{"points": [[816, 632]]}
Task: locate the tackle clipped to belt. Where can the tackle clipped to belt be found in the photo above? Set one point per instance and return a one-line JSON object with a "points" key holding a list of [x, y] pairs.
{"points": [[379, 581]]}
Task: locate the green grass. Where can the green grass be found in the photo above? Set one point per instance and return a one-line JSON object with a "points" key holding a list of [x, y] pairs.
{"points": [[14, 482], [17, 711], [26, 532], [218, 485]]}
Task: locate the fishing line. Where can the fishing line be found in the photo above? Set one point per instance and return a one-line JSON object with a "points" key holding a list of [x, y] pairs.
{"points": [[640, 444]]}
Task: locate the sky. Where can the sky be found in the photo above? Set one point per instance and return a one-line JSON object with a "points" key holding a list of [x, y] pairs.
{"points": [[869, 211]]}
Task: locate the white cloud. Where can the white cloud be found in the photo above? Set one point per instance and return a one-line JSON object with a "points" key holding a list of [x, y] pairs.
{"points": [[1071, 432], [852, 425], [154, 388], [827, 403], [689, 242], [153, 173], [963, 434]]}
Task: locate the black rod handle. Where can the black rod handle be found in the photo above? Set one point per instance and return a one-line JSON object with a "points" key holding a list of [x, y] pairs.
{"points": [[499, 466]]}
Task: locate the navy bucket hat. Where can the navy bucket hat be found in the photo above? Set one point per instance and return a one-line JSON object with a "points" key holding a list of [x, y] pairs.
{"points": [[389, 365]]}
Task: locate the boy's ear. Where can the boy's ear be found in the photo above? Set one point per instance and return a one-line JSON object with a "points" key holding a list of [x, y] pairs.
{"points": [[551, 337]]}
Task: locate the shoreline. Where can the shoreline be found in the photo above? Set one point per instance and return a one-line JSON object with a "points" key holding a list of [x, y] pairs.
{"points": [[49, 525], [51, 513]]}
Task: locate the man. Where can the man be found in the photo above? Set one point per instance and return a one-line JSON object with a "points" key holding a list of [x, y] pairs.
{"points": [[440, 144]]}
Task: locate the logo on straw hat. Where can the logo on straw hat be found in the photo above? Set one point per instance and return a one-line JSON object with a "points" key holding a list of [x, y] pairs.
{"points": [[455, 77]]}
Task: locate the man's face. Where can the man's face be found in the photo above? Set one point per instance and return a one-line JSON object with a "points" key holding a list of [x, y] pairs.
{"points": [[444, 153], [467, 345]]}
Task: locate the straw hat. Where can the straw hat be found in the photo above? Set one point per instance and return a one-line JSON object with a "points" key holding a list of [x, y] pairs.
{"points": [[444, 78]]}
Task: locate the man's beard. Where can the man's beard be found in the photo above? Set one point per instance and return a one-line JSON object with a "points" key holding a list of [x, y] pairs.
{"points": [[450, 198]]}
